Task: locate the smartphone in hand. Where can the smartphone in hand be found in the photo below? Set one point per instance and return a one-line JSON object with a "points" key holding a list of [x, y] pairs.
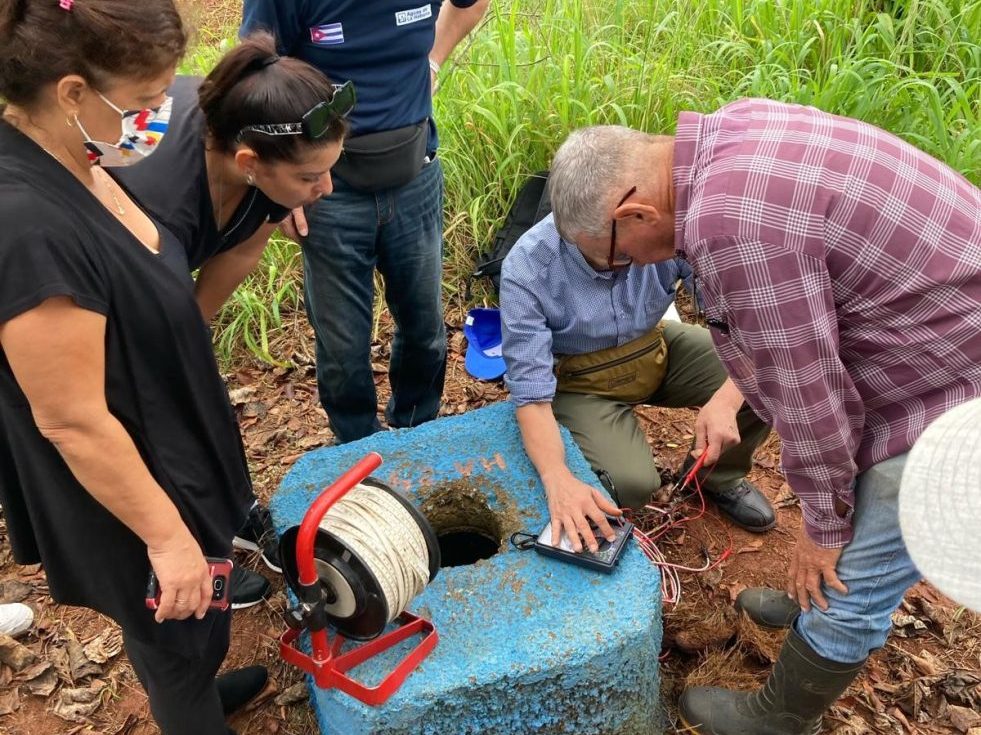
{"points": [[221, 577]]}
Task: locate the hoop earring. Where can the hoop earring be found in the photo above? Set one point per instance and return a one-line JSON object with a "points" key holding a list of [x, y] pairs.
{"points": [[250, 179], [71, 120]]}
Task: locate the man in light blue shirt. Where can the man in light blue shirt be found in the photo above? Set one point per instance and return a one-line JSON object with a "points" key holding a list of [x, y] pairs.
{"points": [[559, 300]]}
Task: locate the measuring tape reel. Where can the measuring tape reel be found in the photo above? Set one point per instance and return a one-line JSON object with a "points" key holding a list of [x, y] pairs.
{"points": [[361, 554], [374, 552]]}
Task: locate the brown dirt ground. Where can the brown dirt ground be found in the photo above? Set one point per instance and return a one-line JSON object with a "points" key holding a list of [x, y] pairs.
{"points": [[924, 681]]}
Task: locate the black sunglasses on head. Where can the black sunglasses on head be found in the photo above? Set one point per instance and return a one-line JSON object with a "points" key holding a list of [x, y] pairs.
{"points": [[317, 120]]}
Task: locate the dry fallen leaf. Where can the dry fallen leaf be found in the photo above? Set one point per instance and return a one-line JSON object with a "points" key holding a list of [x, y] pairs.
{"points": [[240, 396], [9, 702], [75, 705], [58, 655], [927, 663], [293, 695], [963, 718], [901, 621], [80, 664], [785, 497], [44, 683], [104, 646], [15, 655], [13, 590]]}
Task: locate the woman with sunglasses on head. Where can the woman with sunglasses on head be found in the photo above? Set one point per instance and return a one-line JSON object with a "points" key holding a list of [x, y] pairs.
{"points": [[119, 451], [253, 140]]}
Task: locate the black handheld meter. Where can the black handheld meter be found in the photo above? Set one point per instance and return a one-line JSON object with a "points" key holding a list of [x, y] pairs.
{"points": [[604, 559]]}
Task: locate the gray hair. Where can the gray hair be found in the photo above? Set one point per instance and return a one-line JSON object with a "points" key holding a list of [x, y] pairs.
{"points": [[588, 170]]}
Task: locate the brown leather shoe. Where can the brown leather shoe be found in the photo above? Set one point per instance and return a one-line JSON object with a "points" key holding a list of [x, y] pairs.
{"points": [[745, 506]]}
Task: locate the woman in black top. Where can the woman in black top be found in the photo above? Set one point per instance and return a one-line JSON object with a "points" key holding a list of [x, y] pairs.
{"points": [[227, 174], [119, 451], [252, 141]]}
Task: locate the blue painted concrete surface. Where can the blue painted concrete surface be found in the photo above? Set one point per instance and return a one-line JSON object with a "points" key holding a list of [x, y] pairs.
{"points": [[527, 644]]}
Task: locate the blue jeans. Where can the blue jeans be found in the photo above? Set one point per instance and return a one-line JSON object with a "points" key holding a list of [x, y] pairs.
{"points": [[875, 567], [400, 232]]}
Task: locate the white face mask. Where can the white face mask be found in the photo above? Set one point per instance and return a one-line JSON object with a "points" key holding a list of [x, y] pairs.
{"points": [[142, 131]]}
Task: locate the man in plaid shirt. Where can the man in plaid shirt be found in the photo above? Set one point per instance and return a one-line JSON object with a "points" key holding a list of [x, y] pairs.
{"points": [[840, 272]]}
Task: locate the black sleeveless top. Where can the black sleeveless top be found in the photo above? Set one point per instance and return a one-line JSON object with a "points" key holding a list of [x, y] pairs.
{"points": [[162, 384], [173, 185]]}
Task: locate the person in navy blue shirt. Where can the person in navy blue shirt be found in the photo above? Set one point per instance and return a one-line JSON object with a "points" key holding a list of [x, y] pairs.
{"points": [[386, 209]]}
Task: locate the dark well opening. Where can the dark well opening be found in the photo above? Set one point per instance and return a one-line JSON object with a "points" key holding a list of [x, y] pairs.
{"points": [[466, 528], [459, 547]]}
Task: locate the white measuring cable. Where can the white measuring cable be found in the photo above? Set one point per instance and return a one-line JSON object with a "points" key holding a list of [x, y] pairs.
{"points": [[387, 538]]}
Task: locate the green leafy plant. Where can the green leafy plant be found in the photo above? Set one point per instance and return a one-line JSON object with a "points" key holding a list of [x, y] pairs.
{"points": [[537, 69]]}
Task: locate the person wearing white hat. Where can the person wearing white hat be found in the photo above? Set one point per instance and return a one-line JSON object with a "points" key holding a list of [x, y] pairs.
{"points": [[940, 503]]}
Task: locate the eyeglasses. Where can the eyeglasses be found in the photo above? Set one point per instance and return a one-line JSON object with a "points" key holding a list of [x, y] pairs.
{"points": [[613, 233], [317, 120]]}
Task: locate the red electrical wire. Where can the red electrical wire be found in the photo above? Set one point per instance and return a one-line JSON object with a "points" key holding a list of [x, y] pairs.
{"points": [[647, 540]]}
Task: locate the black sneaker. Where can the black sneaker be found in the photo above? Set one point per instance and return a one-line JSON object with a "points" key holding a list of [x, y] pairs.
{"points": [[257, 534], [239, 687], [248, 588]]}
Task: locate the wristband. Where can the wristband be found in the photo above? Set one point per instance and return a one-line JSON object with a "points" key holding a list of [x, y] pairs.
{"points": [[434, 66]]}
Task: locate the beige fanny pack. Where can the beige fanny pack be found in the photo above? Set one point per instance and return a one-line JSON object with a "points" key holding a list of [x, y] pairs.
{"points": [[630, 373]]}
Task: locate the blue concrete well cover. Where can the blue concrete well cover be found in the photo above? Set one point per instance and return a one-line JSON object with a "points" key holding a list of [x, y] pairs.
{"points": [[527, 644]]}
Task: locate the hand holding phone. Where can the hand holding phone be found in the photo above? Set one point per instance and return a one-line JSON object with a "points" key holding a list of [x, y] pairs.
{"points": [[221, 577]]}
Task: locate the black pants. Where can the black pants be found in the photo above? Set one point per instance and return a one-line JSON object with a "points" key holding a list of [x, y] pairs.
{"points": [[181, 688]]}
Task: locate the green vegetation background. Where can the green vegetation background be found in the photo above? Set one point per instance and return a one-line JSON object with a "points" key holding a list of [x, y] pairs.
{"points": [[536, 69]]}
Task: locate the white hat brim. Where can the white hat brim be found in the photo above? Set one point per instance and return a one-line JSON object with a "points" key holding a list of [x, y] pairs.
{"points": [[940, 504]]}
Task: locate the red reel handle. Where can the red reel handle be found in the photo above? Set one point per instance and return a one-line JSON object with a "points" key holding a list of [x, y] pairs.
{"points": [[311, 521]]}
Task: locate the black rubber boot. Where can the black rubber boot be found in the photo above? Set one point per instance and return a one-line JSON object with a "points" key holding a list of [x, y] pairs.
{"points": [[768, 608], [239, 687], [801, 687]]}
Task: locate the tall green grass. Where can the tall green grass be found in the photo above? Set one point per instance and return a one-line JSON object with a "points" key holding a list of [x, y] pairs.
{"points": [[537, 69]]}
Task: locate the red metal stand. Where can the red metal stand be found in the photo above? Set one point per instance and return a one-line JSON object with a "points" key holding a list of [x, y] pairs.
{"points": [[329, 669], [327, 664]]}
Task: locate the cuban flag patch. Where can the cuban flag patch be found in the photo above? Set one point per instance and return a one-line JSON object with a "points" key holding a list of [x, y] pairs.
{"points": [[327, 35]]}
